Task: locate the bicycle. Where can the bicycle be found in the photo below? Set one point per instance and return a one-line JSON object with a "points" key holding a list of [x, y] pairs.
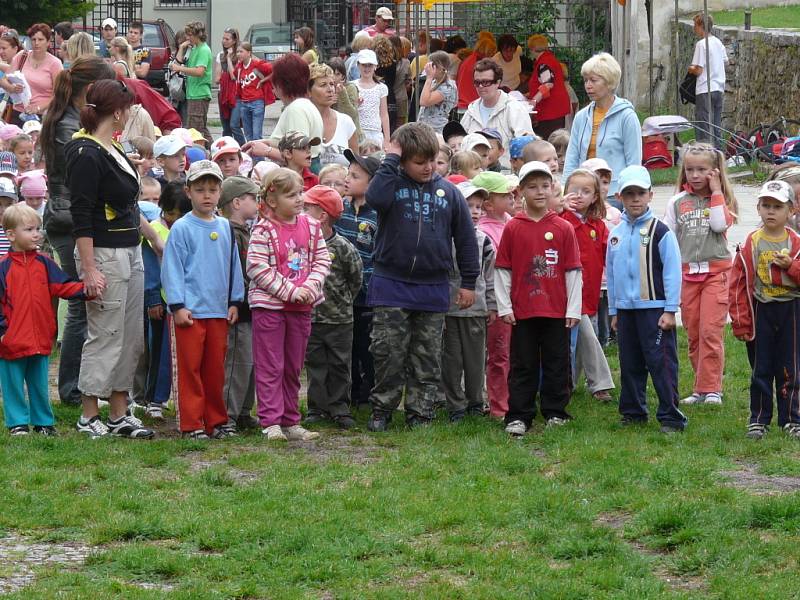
{"points": [[759, 143]]}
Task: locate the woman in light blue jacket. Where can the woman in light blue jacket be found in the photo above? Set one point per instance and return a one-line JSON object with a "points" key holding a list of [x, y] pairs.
{"points": [[608, 128]]}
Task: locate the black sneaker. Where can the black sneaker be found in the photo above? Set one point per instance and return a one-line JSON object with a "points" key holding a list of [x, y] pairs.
{"points": [[313, 418], [18, 430], [670, 429], [756, 431], [627, 421], [378, 422], [197, 434], [224, 432], [93, 427], [247, 422], [415, 421], [129, 427], [47, 430], [344, 422], [456, 417]]}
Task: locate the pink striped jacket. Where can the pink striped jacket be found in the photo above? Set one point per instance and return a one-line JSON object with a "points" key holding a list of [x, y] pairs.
{"points": [[268, 288]]}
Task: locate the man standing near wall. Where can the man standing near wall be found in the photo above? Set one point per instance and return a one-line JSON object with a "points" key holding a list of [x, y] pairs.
{"points": [[708, 62]]}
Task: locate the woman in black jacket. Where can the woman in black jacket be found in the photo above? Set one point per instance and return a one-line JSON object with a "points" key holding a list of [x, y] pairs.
{"points": [[61, 121], [104, 189]]}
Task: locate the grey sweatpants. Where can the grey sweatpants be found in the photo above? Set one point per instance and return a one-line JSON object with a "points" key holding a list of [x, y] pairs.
{"points": [[239, 391], [464, 355], [590, 358], [328, 364]]}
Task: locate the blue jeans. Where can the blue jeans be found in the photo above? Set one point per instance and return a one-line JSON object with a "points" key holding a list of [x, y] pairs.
{"points": [[252, 115], [233, 125]]}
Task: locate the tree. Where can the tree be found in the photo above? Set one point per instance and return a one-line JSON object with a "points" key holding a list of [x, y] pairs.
{"points": [[21, 14]]}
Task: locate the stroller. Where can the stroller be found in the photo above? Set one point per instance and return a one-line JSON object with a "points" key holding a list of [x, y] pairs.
{"points": [[660, 141]]}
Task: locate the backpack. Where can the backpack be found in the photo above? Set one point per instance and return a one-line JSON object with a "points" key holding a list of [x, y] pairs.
{"points": [[687, 89]]}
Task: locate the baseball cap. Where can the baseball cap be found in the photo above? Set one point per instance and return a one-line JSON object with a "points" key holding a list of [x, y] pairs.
{"points": [[492, 134], [513, 180], [384, 13], [236, 186], [261, 169], [518, 143], [467, 189], [9, 131], [493, 183], [327, 198], [777, 190], [32, 126], [596, 164], [224, 145], [634, 176], [193, 154], [534, 166], [168, 145], [367, 57], [196, 135], [109, 22], [294, 140], [453, 128], [7, 189], [369, 163], [183, 134], [8, 164], [33, 183], [203, 168], [473, 140]]}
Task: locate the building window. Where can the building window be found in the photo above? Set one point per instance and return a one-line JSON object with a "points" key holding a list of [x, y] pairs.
{"points": [[181, 3]]}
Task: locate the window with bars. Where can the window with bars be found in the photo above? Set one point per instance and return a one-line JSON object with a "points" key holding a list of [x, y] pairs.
{"points": [[181, 3]]}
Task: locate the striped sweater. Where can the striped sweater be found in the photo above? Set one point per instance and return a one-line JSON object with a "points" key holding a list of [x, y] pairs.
{"points": [[268, 288]]}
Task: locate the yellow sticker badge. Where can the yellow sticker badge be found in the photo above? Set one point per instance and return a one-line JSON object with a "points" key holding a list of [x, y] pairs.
{"points": [[214, 236], [548, 236]]}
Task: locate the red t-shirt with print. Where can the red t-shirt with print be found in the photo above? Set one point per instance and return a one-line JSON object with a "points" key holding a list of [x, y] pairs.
{"points": [[247, 80], [539, 253]]}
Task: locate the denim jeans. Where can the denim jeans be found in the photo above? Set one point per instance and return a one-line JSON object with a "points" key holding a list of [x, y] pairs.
{"points": [[233, 125], [711, 128], [75, 328], [252, 115]]}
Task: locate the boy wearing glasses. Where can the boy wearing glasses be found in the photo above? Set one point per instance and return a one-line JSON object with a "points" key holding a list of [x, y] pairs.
{"points": [[494, 109]]}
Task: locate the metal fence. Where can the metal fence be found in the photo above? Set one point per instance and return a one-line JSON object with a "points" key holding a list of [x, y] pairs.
{"points": [[122, 11]]}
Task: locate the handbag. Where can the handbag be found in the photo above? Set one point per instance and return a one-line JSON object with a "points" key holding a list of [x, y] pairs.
{"points": [[687, 89], [176, 86]]}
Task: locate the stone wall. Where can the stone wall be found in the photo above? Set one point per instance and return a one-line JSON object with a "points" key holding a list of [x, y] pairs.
{"points": [[762, 78]]}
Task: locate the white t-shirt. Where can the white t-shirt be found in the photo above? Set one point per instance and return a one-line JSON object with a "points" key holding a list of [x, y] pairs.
{"points": [[369, 107], [333, 150], [717, 62]]}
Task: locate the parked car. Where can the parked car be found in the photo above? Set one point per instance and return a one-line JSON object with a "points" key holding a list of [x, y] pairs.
{"points": [[270, 41]]}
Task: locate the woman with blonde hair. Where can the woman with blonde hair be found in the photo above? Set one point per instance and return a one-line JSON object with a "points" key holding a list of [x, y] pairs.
{"points": [[122, 56], [79, 44]]}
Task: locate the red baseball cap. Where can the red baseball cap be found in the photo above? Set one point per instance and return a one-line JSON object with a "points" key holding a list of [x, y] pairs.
{"points": [[327, 198]]}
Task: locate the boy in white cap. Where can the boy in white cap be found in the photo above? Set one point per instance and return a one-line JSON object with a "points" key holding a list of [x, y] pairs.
{"points": [[170, 153], [202, 306], [108, 29], [764, 298], [643, 310], [478, 143], [538, 287]]}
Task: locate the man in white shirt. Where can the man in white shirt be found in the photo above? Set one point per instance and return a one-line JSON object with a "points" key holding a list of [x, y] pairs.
{"points": [[705, 67]]}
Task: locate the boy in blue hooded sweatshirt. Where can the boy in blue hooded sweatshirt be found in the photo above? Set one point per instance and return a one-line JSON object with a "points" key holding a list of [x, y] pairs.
{"points": [[643, 312], [420, 217]]}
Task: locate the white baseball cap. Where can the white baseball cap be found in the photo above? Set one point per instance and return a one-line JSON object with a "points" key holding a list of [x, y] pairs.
{"points": [[224, 145], [467, 189], [109, 22], [534, 166], [168, 145], [8, 189], [367, 57], [384, 13], [777, 190], [596, 164], [634, 176], [32, 126], [474, 139]]}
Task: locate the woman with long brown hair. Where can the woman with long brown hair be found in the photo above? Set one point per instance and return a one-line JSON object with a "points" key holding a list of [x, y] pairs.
{"points": [[304, 40]]}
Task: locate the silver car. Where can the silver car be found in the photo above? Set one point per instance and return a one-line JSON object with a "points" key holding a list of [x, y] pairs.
{"points": [[270, 41]]}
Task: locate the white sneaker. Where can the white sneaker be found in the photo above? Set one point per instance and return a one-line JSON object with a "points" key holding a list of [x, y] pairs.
{"points": [[155, 411], [516, 428], [556, 422], [713, 398], [94, 427], [274, 433], [695, 398], [297, 433]]}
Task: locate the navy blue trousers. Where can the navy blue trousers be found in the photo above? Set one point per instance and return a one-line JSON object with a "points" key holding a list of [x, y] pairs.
{"points": [[643, 349], [775, 362]]}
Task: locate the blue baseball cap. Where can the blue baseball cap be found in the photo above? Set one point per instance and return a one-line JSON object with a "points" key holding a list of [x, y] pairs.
{"points": [[518, 143], [634, 176]]}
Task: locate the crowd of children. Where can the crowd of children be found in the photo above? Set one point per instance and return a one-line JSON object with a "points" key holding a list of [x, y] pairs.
{"points": [[426, 276]]}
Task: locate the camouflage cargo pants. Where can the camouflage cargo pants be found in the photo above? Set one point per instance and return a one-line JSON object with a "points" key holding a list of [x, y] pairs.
{"points": [[406, 347]]}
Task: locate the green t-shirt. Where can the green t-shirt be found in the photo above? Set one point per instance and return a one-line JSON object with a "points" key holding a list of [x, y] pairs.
{"points": [[199, 88]]}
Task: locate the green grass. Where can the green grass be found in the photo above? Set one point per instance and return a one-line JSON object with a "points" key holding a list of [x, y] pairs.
{"points": [[785, 17], [589, 510]]}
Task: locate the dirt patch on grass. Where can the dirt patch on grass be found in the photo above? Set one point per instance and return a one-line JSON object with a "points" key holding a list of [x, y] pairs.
{"points": [[20, 556], [356, 449], [746, 477], [679, 582]]}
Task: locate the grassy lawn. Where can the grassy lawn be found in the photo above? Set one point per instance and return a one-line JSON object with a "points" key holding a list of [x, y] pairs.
{"points": [[785, 17], [589, 510]]}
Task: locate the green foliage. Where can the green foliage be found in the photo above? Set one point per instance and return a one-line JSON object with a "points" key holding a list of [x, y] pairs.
{"points": [[21, 14], [776, 17], [517, 17]]}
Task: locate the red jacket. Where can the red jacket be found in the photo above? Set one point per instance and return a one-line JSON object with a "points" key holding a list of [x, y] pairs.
{"points": [[555, 102], [592, 236], [164, 116], [28, 281], [741, 285]]}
